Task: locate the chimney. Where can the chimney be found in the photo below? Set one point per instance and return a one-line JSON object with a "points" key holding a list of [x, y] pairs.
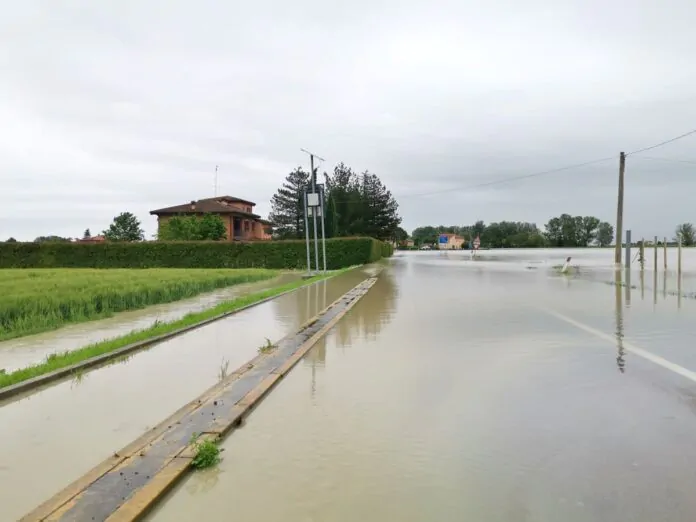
{"points": [[193, 205]]}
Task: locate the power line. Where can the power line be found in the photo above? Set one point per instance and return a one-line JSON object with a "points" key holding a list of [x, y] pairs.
{"points": [[663, 143], [672, 160], [508, 180]]}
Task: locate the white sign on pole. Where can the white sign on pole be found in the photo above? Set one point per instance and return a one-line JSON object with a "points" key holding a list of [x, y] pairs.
{"points": [[312, 199]]}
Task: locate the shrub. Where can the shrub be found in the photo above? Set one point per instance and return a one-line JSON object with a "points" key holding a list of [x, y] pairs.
{"points": [[340, 253]]}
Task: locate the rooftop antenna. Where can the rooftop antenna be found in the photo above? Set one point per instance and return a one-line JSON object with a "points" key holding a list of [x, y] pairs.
{"points": [[216, 179]]}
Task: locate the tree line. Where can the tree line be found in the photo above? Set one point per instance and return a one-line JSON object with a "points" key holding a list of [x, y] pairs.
{"points": [[355, 204], [562, 231]]}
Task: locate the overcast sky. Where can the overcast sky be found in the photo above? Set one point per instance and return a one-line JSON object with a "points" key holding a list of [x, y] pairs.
{"points": [[128, 106]]}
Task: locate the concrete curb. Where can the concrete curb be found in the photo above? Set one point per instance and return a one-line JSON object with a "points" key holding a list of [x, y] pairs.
{"points": [[47, 378], [168, 445]]}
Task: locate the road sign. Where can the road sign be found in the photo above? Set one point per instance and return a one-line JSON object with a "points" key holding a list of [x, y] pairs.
{"points": [[444, 238], [477, 243]]}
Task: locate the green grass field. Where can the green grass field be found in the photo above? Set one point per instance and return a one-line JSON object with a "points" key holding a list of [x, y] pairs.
{"points": [[34, 301], [57, 361]]}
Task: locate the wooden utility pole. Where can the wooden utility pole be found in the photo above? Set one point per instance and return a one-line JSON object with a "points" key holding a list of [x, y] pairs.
{"points": [[619, 210]]}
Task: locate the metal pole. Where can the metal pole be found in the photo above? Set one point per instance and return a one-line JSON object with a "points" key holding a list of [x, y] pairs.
{"points": [[314, 212], [679, 258], [216, 174], [323, 234], [655, 254], [306, 228], [664, 251], [619, 210], [628, 252]]}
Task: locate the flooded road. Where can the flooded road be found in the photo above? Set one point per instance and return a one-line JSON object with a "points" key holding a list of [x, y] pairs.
{"points": [[461, 392], [23, 351], [55, 435]]}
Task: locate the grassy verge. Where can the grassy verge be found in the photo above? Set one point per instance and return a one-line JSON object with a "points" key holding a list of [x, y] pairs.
{"points": [[59, 361], [37, 301]]}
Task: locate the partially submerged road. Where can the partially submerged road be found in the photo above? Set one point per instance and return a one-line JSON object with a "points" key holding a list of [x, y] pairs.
{"points": [[53, 436], [450, 393], [122, 487]]}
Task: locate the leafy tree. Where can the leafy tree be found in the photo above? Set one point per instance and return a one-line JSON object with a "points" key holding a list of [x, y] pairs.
{"points": [[424, 235], [569, 231], [287, 207], [511, 234], [125, 227], [400, 234], [51, 239], [210, 227], [87, 234], [11, 240], [588, 227], [605, 234], [687, 233]]}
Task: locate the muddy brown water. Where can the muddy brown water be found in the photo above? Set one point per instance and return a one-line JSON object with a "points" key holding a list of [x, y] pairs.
{"points": [[452, 392], [23, 351], [57, 434]]}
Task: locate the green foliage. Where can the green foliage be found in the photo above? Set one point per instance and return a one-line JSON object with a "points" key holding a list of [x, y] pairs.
{"points": [[206, 453], [268, 347], [57, 361], [605, 234], [210, 227], [287, 207], [87, 234], [11, 240], [51, 239], [504, 234], [578, 231], [125, 227], [362, 205], [356, 205], [41, 300], [340, 253], [687, 233]]}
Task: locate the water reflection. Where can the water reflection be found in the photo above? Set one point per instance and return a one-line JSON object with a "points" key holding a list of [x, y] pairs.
{"points": [[628, 287], [208, 479], [375, 310], [618, 315]]}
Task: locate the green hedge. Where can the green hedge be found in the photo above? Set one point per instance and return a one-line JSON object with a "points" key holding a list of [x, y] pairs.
{"points": [[340, 253]]}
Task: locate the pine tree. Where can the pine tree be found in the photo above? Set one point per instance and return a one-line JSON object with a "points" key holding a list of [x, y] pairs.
{"points": [[379, 209], [287, 207]]}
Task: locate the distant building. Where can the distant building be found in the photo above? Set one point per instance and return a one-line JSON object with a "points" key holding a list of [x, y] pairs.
{"points": [[92, 239], [240, 221], [450, 242]]}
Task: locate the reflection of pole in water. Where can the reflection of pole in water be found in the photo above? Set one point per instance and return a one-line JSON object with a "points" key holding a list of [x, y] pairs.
{"points": [[628, 287], [655, 271], [642, 285], [618, 315], [664, 284]]}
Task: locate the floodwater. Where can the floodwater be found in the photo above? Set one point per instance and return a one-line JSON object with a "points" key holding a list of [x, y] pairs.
{"points": [[53, 436], [473, 390], [23, 351]]}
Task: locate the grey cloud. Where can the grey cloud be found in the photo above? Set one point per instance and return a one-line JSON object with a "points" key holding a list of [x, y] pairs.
{"points": [[130, 105]]}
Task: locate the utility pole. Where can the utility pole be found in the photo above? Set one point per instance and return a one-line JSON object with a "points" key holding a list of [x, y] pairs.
{"points": [[619, 210], [314, 203], [216, 179]]}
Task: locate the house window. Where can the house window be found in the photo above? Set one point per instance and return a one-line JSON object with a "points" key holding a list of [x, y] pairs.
{"points": [[246, 226]]}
